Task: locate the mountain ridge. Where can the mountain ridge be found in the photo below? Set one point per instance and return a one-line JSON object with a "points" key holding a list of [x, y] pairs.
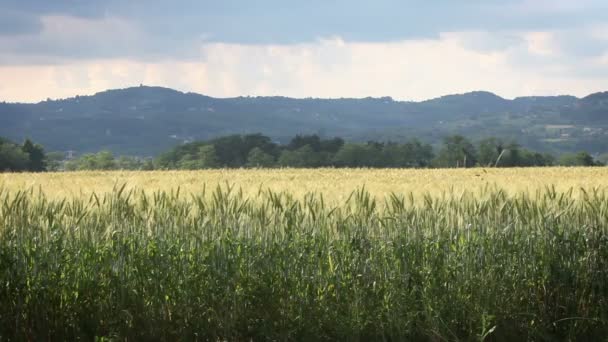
{"points": [[168, 89], [146, 120]]}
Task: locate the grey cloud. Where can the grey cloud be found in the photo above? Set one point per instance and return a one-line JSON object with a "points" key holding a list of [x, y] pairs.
{"points": [[579, 44], [176, 29], [17, 23], [78, 8], [279, 21]]}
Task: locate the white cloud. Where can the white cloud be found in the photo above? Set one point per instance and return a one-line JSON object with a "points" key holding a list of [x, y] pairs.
{"points": [[65, 38], [411, 70], [559, 6], [541, 43]]}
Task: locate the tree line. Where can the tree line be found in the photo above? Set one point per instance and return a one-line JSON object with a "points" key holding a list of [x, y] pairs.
{"points": [[257, 150], [305, 151], [25, 157]]}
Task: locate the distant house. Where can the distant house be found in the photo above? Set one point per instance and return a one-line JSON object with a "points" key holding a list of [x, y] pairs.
{"points": [[69, 155]]}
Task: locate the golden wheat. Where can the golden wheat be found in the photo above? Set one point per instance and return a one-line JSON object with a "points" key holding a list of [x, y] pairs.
{"points": [[335, 184]]}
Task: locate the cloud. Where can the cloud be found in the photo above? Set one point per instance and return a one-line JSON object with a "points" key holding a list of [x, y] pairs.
{"points": [[64, 38], [77, 8], [17, 23], [408, 49], [173, 24], [407, 70]]}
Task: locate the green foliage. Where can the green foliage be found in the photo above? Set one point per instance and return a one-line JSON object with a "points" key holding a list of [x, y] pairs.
{"points": [[490, 149], [578, 159], [55, 161], [221, 267], [457, 151], [494, 152], [299, 141], [258, 158], [207, 156], [12, 158], [304, 156], [358, 155], [170, 117], [28, 157], [128, 163], [36, 156], [105, 160], [256, 150], [410, 154]]}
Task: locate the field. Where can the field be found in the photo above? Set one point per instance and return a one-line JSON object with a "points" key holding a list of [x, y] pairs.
{"points": [[478, 254], [335, 184]]}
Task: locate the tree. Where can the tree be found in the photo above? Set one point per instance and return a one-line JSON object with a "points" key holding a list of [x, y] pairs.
{"points": [[358, 155], [260, 141], [457, 151], [302, 157], [208, 157], [36, 158], [299, 141], [12, 158], [104, 160], [230, 151], [54, 161], [189, 162], [415, 154], [331, 145], [490, 150], [258, 158], [577, 159], [205, 158], [513, 156], [129, 163]]}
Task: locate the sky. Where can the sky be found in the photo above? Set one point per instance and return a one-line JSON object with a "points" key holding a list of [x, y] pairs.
{"points": [[406, 49]]}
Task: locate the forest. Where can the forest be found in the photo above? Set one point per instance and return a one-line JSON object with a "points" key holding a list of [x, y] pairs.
{"points": [[302, 151]]}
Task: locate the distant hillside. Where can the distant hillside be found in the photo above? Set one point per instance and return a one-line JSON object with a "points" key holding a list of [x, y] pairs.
{"points": [[146, 120]]}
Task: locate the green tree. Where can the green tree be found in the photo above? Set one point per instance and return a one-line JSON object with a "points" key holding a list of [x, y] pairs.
{"points": [[36, 157], [258, 158], [490, 150], [189, 162], [302, 157], [299, 141], [129, 163], [104, 160], [12, 158], [54, 161], [577, 159], [358, 155], [513, 156], [208, 156], [457, 151], [410, 154], [148, 165]]}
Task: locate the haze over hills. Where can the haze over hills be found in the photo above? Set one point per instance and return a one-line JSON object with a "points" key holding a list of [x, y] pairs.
{"points": [[147, 120]]}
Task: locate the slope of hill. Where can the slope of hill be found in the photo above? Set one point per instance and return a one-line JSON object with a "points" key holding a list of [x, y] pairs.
{"points": [[146, 120]]}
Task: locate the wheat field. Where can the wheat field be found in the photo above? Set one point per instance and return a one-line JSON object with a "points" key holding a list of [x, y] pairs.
{"points": [[335, 184], [302, 255]]}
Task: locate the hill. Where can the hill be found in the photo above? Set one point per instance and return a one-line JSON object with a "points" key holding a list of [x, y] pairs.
{"points": [[146, 120]]}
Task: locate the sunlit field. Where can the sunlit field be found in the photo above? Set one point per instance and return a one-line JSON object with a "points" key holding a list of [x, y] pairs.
{"points": [[335, 184], [438, 255]]}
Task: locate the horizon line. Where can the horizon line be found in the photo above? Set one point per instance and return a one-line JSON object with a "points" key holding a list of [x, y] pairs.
{"points": [[302, 98]]}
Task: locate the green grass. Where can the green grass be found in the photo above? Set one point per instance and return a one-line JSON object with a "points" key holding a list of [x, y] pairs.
{"points": [[130, 266]]}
